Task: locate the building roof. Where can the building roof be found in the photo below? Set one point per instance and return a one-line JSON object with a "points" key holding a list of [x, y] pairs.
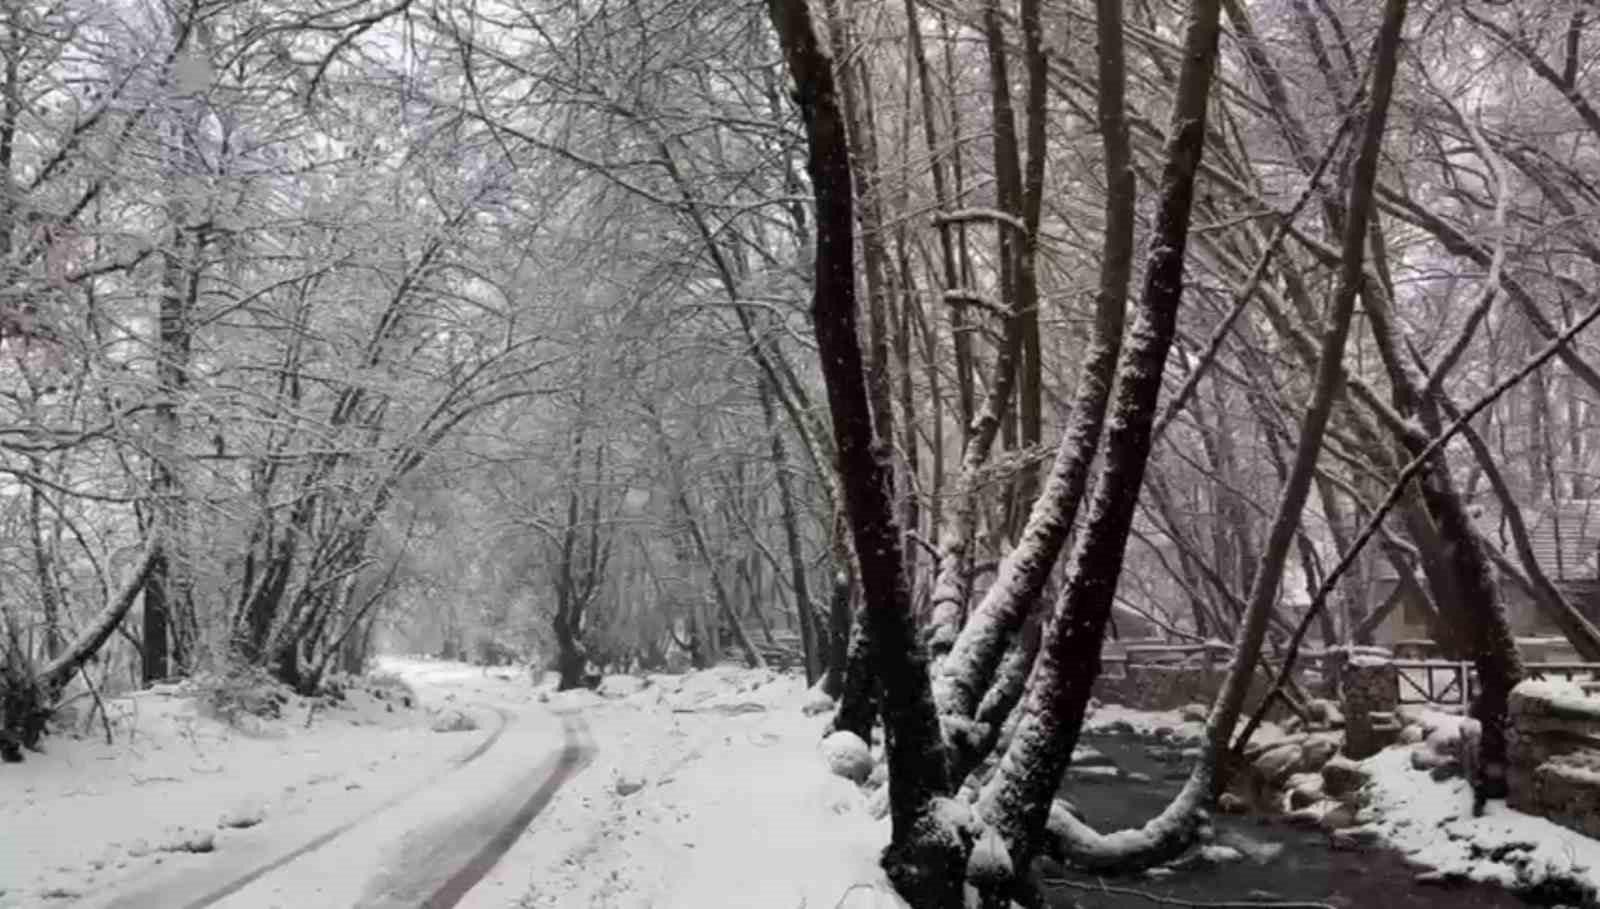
{"points": [[1565, 537]]}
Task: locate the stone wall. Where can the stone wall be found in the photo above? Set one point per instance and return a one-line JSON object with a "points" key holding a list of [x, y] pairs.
{"points": [[1164, 686], [1554, 749], [1371, 694]]}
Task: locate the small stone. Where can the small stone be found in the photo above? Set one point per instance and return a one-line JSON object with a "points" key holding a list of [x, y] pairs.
{"points": [[1228, 803], [1092, 774], [1218, 855], [242, 817], [627, 784], [1446, 771], [1353, 839], [1089, 756], [1194, 713], [185, 840]]}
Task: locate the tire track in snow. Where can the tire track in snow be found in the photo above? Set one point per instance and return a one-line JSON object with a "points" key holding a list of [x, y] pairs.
{"points": [[239, 883], [577, 751]]}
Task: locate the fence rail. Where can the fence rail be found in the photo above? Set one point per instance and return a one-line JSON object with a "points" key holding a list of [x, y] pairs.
{"points": [[1454, 683]]}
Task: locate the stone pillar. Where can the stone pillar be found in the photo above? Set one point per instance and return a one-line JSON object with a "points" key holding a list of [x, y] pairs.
{"points": [[1371, 696]]}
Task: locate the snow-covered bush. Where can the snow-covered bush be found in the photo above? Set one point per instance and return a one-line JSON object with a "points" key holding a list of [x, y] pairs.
{"points": [[238, 691]]}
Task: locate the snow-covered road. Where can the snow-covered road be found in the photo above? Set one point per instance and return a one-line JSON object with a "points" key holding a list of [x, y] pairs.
{"points": [[414, 825]]}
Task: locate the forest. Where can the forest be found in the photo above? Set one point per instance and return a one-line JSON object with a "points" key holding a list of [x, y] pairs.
{"points": [[920, 347]]}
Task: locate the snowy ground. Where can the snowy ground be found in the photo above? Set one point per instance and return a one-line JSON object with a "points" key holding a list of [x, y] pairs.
{"points": [[694, 792], [703, 790], [85, 820], [706, 791], [1432, 823]]}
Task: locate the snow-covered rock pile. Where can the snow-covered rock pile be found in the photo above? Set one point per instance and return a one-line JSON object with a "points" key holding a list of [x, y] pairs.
{"points": [[1419, 801]]}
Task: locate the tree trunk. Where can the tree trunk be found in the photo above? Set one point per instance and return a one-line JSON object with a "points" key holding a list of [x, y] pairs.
{"points": [[977, 652], [1017, 800], [810, 640], [924, 858]]}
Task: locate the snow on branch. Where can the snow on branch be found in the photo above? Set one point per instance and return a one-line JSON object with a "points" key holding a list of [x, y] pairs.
{"points": [[968, 297], [969, 215]]}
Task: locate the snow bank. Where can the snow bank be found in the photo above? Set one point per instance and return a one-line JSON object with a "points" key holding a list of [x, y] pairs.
{"points": [[735, 807], [85, 820], [1432, 823]]}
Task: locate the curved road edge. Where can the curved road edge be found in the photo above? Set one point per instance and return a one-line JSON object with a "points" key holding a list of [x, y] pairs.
{"points": [[577, 751]]}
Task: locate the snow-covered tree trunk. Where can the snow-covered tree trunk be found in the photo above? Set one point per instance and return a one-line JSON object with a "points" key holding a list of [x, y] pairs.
{"points": [[970, 668], [925, 851], [1017, 800]]}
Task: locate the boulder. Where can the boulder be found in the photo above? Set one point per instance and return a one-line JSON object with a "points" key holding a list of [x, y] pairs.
{"points": [[1446, 771], [627, 784], [454, 720], [1342, 776], [1303, 797], [817, 702], [1325, 713], [1277, 763], [1427, 758], [848, 756], [1338, 818], [1316, 752]]}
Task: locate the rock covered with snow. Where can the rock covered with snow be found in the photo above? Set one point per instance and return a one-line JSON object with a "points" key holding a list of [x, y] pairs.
{"points": [[1276, 763], [848, 756], [243, 815], [1217, 854], [817, 701], [454, 719], [1317, 751], [621, 686], [1342, 776]]}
